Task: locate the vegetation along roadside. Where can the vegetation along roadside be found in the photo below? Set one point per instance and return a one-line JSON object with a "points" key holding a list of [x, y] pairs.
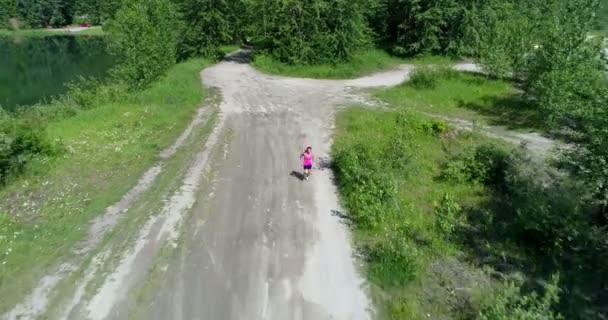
{"points": [[441, 214], [103, 152]]}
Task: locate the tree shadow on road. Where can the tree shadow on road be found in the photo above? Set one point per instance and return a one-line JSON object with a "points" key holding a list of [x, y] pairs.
{"points": [[240, 56], [323, 163], [344, 218]]}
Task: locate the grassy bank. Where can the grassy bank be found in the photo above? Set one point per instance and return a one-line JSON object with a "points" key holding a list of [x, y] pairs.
{"points": [[363, 63], [388, 165], [44, 213], [466, 96], [454, 225], [93, 31]]}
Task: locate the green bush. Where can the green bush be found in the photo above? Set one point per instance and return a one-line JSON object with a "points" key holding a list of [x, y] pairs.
{"points": [[401, 308], [447, 216], [547, 214], [487, 164], [456, 170], [144, 37], [392, 261], [423, 26], [311, 32], [435, 127], [490, 165], [210, 24], [366, 190], [511, 304], [396, 150], [19, 145], [428, 77], [82, 95], [424, 78], [542, 211]]}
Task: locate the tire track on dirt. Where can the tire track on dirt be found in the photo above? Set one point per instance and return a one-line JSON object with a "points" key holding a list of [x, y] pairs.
{"points": [[36, 302]]}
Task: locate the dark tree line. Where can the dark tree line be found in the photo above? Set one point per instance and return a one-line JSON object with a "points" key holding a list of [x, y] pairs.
{"points": [[56, 13], [601, 22]]}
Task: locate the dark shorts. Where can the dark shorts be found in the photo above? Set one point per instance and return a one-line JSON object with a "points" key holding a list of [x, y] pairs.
{"points": [[307, 167]]}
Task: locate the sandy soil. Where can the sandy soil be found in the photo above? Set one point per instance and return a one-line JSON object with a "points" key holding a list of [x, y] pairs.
{"points": [[246, 238]]}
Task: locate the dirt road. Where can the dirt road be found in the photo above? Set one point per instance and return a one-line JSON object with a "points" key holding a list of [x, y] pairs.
{"points": [[259, 243], [240, 237]]}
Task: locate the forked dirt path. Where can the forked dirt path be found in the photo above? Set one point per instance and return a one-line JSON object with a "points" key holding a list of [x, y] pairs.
{"points": [[245, 238]]}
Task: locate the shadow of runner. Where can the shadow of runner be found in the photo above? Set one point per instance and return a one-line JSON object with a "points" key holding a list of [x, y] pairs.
{"points": [[298, 175]]}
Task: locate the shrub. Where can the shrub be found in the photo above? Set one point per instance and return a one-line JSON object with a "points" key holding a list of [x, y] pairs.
{"points": [[545, 213], [211, 24], [487, 164], [447, 216], [541, 210], [311, 32], [424, 78], [143, 35], [428, 77], [402, 308], [490, 165], [392, 261], [365, 190], [512, 305], [82, 95], [19, 145], [435, 127], [396, 151], [456, 170]]}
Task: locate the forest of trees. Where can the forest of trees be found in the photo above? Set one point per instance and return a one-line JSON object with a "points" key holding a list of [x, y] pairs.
{"points": [[56, 13], [602, 17]]}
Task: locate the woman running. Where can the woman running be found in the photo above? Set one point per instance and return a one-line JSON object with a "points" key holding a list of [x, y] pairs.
{"points": [[307, 158]]}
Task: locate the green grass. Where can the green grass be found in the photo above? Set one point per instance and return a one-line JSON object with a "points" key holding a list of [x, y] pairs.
{"points": [[599, 33], [427, 259], [466, 96], [93, 31], [395, 157], [229, 48], [121, 238], [430, 60], [389, 166], [46, 212], [363, 63]]}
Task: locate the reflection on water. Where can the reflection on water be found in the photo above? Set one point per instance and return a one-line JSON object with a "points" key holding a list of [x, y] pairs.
{"points": [[32, 69]]}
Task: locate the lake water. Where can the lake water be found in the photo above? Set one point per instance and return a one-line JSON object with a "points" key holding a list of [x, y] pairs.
{"points": [[33, 69]]}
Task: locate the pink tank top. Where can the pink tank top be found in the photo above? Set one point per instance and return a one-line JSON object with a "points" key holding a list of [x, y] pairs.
{"points": [[307, 159]]}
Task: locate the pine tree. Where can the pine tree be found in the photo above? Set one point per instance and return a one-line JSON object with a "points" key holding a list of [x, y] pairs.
{"points": [[143, 36], [424, 26], [311, 31], [7, 11], [208, 24]]}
